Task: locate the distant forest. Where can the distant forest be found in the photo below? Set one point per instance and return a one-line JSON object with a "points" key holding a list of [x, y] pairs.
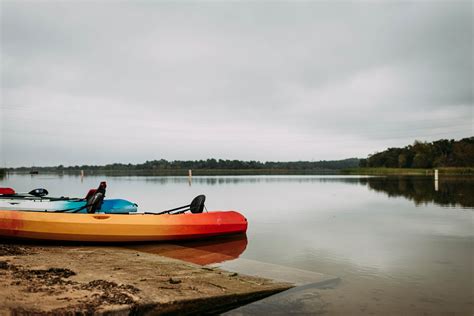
{"points": [[440, 153], [209, 164]]}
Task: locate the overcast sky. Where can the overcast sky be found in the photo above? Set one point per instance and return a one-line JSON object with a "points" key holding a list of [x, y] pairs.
{"points": [[98, 82]]}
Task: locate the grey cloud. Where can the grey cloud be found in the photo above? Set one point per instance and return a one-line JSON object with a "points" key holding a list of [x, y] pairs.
{"points": [[246, 80]]}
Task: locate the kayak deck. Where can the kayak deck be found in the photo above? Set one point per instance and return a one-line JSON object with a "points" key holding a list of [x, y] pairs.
{"points": [[119, 227]]}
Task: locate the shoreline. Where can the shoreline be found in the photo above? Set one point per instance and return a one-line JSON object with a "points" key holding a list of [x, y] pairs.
{"points": [[461, 171], [47, 279], [183, 172]]}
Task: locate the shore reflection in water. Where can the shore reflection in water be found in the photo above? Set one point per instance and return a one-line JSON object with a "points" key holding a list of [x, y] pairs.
{"points": [[450, 191], [202, 252]]}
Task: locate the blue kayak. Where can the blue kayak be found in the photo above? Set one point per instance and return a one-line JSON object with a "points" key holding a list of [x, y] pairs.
{"points": [[22, 203], [38, 201]]}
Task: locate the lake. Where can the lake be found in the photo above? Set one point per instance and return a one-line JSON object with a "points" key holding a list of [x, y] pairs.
{"points": [[398, 244]]}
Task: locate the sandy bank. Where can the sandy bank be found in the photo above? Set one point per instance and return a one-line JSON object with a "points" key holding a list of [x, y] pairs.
{"points": [[63, 279]]}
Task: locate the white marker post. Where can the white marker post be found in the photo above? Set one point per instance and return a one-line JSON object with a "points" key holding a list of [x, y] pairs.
{"points": [[436, 179]]}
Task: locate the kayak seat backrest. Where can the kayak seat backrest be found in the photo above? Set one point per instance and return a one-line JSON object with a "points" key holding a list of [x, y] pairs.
{"points": [[197, 204], [94, 203], [95, 198], [90, 193], [39, 192]]}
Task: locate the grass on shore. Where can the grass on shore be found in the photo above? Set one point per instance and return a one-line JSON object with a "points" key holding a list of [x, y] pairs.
{"points": [[409, 171]]}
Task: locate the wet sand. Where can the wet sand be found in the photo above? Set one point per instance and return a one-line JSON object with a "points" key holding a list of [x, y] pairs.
{"points": [[65, 279]]}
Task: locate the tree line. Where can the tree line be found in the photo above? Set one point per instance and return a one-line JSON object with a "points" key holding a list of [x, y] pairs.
{"points": [[440, 153], [211, 164]]}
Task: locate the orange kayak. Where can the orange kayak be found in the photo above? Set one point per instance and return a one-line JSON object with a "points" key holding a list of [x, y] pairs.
{"points": [[119, 227]]}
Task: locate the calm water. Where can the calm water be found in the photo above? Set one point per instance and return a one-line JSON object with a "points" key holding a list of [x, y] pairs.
{"points": [[399, 245]]}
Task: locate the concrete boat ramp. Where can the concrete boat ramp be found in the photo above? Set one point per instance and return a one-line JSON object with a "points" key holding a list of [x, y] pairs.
{"points": [[302, 299], [276, 272], [51, 279]]}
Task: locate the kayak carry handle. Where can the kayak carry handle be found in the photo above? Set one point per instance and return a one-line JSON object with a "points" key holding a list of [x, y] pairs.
{"points": [[101, 216]]}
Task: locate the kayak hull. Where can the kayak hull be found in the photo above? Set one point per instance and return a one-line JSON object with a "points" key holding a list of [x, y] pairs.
{"points": [[119, 227]]}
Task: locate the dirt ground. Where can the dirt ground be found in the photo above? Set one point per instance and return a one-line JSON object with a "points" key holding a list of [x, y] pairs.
{"points": [[102, 280]]}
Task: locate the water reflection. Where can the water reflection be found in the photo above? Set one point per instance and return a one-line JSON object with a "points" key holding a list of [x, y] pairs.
{"points": [[202, 252], [220, 180], [450, 191]]}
